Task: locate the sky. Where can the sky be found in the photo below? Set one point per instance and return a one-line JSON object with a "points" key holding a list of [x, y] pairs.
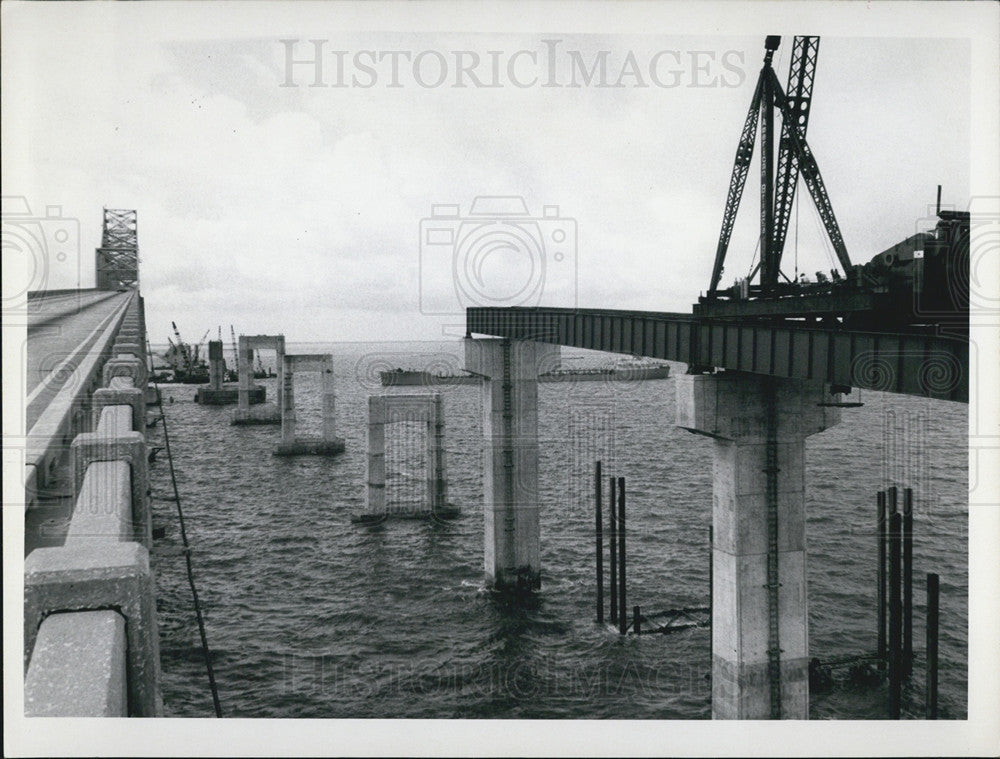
{"points": [[307, 210]]}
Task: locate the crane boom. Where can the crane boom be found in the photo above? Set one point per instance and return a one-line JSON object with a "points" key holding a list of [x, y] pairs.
{"points": [[183, 348], [817, 188], [795, 118], [236, 350], [741, 167], [795, 158]]}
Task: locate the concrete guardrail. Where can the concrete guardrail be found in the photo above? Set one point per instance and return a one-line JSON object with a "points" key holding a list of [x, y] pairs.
{"points": [[91, 644]]}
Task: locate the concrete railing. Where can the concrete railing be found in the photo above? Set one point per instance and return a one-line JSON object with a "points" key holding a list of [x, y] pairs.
{"points": [[65, 415], [91, 644]]}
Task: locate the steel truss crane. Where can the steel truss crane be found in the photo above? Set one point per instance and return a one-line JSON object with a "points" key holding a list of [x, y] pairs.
{"points": [[236, 353], [795, 158], [198, 347]]}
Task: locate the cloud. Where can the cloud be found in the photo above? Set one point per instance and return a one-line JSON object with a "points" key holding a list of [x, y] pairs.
{"points": [[253, 193]]}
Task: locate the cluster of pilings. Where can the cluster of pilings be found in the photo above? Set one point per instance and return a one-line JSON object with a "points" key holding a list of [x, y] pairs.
{"points": [[661, 622], [616, 552], [895, 602]]}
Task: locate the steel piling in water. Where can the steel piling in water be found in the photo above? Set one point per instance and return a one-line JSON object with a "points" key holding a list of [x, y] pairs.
{"points": [[599, 528], [931, 697], [636, 620], [907, 582], [881, 622], [613, 547], [622, 621], [895, 609]]}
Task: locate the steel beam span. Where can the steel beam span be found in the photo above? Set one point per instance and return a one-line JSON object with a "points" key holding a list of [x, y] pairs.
{"points": [[933, 366]]}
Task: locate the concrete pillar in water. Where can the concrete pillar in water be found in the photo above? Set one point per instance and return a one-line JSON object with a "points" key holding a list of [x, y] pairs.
{"points": [[422, 408], [329, 399], [375, 501], [245, 375], [436, 476], [287, 402], [279, 359], [291, 444], [510, 370], [216, 365], [251, 393], [760, 651]]}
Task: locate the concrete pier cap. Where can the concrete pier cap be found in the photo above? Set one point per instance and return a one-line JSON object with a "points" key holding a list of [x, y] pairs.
{"points": [[731, 405], [510, 369], [759, 425]]}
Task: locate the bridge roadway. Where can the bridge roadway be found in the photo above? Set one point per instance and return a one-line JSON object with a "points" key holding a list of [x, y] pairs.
{"points": [[62, 328], [914, 363]]}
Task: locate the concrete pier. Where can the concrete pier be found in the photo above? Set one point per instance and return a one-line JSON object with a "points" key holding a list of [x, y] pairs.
{"points": [[216, 365], [760, 618], [218, 393], [264, 413], [510, 370], [384, 410], [291, 444]]}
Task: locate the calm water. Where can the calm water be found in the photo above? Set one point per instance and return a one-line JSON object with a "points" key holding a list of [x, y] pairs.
{"points": [[309, 615]]}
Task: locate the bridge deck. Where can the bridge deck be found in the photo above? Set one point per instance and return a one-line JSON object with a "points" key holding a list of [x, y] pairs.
{"points": [[63, 330], [934, 366]]}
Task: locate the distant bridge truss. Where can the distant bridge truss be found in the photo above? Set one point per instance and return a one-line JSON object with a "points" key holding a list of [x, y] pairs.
{"points": [[118, 256]]}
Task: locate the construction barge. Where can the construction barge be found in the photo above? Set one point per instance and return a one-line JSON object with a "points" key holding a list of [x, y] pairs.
{"points": [[634, 370]]}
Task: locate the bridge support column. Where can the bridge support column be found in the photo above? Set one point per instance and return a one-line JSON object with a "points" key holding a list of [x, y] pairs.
{"points": [[760, 613], [510, 371], [216, 365]]}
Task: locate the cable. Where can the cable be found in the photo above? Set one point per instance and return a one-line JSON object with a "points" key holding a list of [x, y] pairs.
{"points": [[798, 195], [750, 269], [187, 549]]}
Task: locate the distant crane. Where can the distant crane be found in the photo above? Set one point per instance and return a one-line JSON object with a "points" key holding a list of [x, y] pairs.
{"points": [[185, 355], [197, 348], [234, 374]]}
